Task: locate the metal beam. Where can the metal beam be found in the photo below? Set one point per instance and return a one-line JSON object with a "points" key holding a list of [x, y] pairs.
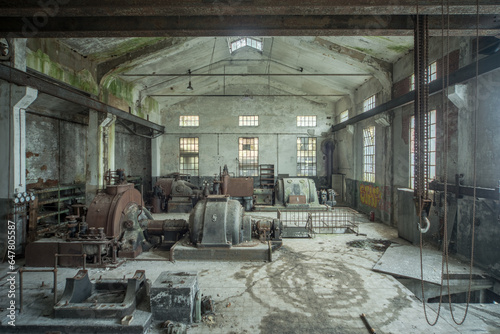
{"points": [[296, 25], [463, 74], [248, 75], [21, 78], [247, 95], [89, 8]]}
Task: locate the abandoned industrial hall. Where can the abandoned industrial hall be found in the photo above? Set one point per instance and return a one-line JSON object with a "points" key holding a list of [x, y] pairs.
{"points": [[249, 166]]}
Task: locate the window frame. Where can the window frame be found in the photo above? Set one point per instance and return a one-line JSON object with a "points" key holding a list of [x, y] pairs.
{"points": [[304, 167], [187, 154], [307, 121], [370, 103], [431, 147], [248, 120], [369, 154], [248, 164], [189, 121], [344, 116]]}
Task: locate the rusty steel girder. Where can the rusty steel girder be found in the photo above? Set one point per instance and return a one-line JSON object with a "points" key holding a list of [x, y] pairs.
{"points": [[107, 207]]}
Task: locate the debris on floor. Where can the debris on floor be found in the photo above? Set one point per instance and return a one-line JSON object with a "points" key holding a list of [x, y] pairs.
{"points": [[377, 245]]}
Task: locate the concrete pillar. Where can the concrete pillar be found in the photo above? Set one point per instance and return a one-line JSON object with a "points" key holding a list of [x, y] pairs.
{"points": [[155, 159], [13, 103], [106, 146], [92, 165]]}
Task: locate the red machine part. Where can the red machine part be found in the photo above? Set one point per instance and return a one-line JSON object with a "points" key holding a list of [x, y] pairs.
{"points": [[107, 207]]}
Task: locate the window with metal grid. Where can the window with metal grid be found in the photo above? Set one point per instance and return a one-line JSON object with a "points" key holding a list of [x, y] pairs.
{"points": [[306, 121], [431, 75], [306, 156], [248, 156], [246, 41], [431, 148], [369, 154], [189, 121], [249, 120], [432, 72], [344, 116], [369, 103], [189, 156]]}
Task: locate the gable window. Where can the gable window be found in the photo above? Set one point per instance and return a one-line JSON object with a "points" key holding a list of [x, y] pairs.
{"points": [[344, 116], [189, 121], [245, 41], [431, 148], [369, 103], [248, 156], [189, 156], [306, 156], [249, 121], [306, 121], [369, 154]]}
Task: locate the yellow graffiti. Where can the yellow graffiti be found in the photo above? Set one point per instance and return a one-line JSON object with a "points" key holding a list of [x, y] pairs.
{"points": [[369, 195]]}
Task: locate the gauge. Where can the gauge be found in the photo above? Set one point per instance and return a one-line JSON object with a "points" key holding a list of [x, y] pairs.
{"points": [[21, 199], [32, 197], [16, 200], [19, 195]]}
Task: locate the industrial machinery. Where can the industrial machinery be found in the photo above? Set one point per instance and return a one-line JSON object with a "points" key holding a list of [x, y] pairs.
{"points": [[172, 194], [118, 226], [238, 188], [296, 192]]}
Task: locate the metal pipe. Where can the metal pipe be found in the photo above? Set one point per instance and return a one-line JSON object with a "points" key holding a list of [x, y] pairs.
{"points": [[367, 325]]}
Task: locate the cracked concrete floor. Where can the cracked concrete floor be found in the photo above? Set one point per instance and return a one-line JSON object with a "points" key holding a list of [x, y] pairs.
{"points": [[319, 285]]}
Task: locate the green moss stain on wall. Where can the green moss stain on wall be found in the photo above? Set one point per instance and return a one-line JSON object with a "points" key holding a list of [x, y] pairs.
{"points": [[83, 79], [125, 47], [150, 106], [118, 88]]}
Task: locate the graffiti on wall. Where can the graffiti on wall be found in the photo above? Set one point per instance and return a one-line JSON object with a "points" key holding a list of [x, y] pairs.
{"points": [[375, 196]]}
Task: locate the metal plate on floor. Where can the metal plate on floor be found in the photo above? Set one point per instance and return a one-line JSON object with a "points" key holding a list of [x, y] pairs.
{"points": [[404, 261]]}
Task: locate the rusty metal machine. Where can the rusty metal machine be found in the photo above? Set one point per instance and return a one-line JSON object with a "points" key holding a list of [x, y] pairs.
{"points": [[112, 228], [118, 226], [238, 188], [172, 194]]}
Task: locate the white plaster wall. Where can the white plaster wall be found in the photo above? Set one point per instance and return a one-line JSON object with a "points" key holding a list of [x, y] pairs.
{"points": [[218, 132]]}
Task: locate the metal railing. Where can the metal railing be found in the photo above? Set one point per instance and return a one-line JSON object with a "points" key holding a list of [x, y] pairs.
{"points": [[328, 221]]}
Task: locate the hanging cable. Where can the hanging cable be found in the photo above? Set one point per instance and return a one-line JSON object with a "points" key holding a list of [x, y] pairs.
{"points": [[474, 175]]}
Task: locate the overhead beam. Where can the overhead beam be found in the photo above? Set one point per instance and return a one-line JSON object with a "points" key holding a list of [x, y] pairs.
{"points": [[21, 78], [89, 8], [247, 95], [463, 74], [296, 25], [247, 75]]}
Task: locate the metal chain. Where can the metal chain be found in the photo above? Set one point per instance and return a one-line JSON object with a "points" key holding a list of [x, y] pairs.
{"points": [[425, 139]]}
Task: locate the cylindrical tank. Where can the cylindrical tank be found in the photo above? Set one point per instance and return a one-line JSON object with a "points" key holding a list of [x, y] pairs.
{"points": [[106, 210], [219, 222]]}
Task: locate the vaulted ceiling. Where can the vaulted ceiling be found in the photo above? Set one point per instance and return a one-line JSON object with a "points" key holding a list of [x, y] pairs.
{"points": [[321, 69]]}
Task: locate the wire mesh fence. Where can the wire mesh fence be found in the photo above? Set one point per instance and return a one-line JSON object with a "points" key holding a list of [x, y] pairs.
{"points": [[328, 221]]}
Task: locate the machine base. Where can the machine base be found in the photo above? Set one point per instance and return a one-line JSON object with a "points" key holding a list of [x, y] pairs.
{"points": [[248, 251]]}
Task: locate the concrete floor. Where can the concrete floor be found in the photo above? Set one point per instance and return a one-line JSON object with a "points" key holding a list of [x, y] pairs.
{"points": [[318, 285]]}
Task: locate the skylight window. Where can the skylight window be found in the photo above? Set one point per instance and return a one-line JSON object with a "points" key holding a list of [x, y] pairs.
{"points": [[245, 41]]}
